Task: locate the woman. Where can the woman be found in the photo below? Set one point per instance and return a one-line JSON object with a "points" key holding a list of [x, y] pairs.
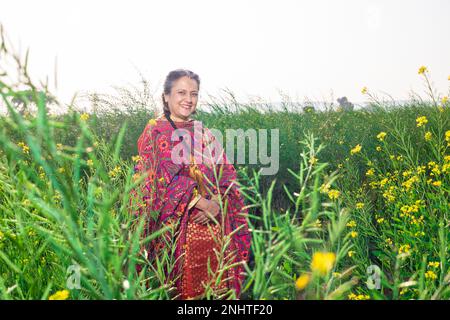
{"points": [[198, 200]]}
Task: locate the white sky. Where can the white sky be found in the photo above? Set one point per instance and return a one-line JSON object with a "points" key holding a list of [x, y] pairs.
{"points": [[304, 48]]}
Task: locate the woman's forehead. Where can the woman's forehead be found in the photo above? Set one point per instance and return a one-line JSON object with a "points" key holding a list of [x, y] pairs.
{"points": [[185, 83]]}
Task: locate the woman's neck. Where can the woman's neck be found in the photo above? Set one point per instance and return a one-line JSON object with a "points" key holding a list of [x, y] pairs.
{"points": [[176, 119]]}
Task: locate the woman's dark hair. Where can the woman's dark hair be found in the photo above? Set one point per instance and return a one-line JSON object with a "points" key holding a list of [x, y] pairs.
{"points": [[171, 78]]}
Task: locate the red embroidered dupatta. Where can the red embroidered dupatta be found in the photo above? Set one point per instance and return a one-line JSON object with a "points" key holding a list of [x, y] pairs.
{"points": [[167, 193]]}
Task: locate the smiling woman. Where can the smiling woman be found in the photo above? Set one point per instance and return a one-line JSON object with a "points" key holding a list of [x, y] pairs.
{"points": [[200, 202]]}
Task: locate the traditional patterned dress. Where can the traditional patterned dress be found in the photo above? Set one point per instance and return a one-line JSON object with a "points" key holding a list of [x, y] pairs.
{"points": [[168, 198]]}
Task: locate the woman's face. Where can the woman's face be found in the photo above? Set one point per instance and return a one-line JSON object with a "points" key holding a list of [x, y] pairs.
{"points": [[183, 98]]}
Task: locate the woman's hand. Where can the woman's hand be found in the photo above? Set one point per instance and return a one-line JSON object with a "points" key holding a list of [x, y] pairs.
{"points": [[208, 210]]}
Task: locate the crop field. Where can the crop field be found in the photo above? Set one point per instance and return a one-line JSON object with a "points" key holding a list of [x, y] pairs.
{"points": [[359, 208]]}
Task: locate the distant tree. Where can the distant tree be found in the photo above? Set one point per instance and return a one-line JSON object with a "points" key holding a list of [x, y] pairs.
{"points": [[344, 104]]}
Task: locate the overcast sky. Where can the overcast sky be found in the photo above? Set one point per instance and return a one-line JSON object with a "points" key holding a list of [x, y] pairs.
{"points": [[255, 48]]}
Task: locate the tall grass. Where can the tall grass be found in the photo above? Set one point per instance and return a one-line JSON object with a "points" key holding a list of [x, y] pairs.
{"points": [[331, 212]]}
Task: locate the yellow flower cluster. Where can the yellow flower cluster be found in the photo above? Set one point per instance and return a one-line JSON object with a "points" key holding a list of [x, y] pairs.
{"points": [[422, 70], [409, 183], [313, 160], [370, 172], [24, 147], [364, 90], [333, 194], [84, 117], [302, 281], [323, 262], [389, 194], [90, 163], [41, 173], [356, 149], [434, 264], [353, 234], [404, 248], [420, 169], [351, 224], [114, 172], [351, 253], [421, 121], [152, 122], [136, 158], [444, 100], [353, 296], [380, 220], [428, 136], [431, 275], [447, 137], [381, 136], [324, 188], [359, 205], [60, 295], [318, 223]]}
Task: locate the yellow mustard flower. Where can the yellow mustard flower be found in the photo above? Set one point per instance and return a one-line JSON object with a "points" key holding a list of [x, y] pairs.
{"points": [[302, 281], [351, 224], [378, 148], [351, 253], [447, 135], [431, 275], [381, 136], [353, 234], [422, 120], [333, 194], [428, 136], [136, 158], [356, 149], [114, 172], [318, 223], [380, 220], [90, 163], [84, 117], [60, 295], [323, 262], [434, 264], [444, 100], [353, 296], [422, 70], [437, 183], [24, 147], [364, 90], [324, 188], [152, 122], [370, 172], [359, 205], [404, 248], [313, 160]]}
